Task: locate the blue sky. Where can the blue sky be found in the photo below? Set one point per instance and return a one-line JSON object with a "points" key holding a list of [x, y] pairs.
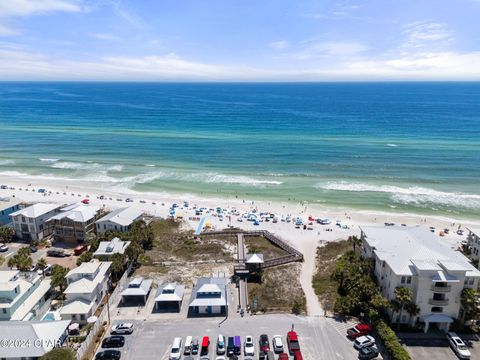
{"points": [[239, 40]]}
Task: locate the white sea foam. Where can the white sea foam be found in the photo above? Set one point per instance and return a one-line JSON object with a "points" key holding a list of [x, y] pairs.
{"points": [[392, 145], [234, 179], [7, 162], [414, 195], [49, 160], [93, 166]]}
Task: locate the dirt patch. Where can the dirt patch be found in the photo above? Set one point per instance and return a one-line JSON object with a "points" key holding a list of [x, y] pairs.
{"points": [[256, 244], [325, 288], [278, 290]]}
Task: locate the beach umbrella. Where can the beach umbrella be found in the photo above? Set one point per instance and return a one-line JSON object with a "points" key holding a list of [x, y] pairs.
{"points": [[73, 327], [92, 320]]}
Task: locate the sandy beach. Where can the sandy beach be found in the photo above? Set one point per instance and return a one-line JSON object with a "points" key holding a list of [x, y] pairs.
{"points": [[306, 241]]}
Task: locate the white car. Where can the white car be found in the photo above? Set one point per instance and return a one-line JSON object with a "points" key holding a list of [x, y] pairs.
{"points": [[220, 358], [277, 343], [363, 341], [3, 247], [176, 352], [458, 346], [249, 347], [122, 328]]}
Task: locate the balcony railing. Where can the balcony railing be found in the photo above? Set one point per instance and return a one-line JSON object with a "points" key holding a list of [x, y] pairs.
{"points": [[438, 302], [441, 288]]}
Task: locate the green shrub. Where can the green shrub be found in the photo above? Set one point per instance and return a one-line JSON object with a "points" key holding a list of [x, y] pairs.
{"points": [[390, 341]]}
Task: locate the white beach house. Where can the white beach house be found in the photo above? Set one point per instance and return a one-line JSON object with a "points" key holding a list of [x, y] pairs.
{"points": [[137, 291], [108, 248], [169, 296], [119, 220], [73, 223], [37, 338], [7, 207], [415, 258], [22, 295], [87, 285], [30, 222], [210, 296]]}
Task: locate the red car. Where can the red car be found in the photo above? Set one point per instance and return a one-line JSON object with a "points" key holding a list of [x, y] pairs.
{"points": [[80, 249], [205, 345], [264, 343], [358, 330], [293, 344], [283, 356], [297, 355]]}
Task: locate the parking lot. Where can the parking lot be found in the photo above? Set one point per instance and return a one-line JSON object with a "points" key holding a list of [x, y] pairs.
{"points": [[318, 338], [437, 349]]}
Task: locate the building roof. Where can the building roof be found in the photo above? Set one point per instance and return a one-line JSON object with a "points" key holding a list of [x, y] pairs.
{"points": [[475, 231], [29, 303], [7, 203], [217, 287], [411, 249], [77, 213], [85, 268], [114, 246], [170, 292], [138, 287], [254, 259], [86, 285], [39, 337], [35, 210], [76, 307], [122, 216]]}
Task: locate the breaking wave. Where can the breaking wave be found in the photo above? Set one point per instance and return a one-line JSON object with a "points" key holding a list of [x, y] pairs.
{"points": [[415, 195]]}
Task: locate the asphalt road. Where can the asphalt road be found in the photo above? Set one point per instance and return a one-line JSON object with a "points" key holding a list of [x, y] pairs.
{"points": [[437, 349], [318, 338]]}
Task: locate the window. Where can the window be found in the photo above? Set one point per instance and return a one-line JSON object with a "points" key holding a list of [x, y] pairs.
{"points": [[74, 317], [470, 282], [82, 317], [23, 219], [403, 280], [409, 279], [4, 310], [436, 309], [30, 220]]}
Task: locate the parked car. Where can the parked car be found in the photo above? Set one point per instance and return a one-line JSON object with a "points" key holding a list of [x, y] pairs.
{"points": [[33, 249], [358, 330], [80, 249], [195, 346], [292, 342], [363, 341], [47, 271], [298, 355], [220, 345], [458, 346], [113, 341], [264, 343], [56, 252], [108, 355], [368, 353], [187, 347], [249, 347], [176, 351], [283, 356], [188, 357], [277, 344], [122, 328], [3, 247], [230, 346], [205, 345]]}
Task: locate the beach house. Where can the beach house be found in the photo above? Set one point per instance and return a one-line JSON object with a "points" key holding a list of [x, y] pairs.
{"points": [[36, 338], [473, 240], [7, 207], [106, 249], [22, 295], [169, 296], [119, 220], [73, 223], [210, 296], [30, 222], [137, 291], [87, 285], [415, 258]]}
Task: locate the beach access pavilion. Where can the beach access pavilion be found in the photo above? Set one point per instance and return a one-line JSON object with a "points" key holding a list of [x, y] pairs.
{"points": [[210, 296], [169, 297], [136, 292]]}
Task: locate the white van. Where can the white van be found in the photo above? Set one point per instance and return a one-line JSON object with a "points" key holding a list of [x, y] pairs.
{"points": [[176, 351], [187, 348], [220, 345]]}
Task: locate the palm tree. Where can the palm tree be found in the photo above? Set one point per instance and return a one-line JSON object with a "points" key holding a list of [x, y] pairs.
{"points": [[470, 300], [118, 265], [41, 265], [59, 279], [354, 241], [6, 234], [413, 310], [403, 295]]}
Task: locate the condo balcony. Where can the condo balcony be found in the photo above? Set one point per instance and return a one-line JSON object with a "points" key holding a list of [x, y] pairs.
{"points": [[442, 289], [438, 302]]}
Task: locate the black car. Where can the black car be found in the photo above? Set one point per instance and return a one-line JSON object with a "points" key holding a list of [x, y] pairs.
{"points": [[108, 355], [368, 353], [33, 249], [113, 341]]}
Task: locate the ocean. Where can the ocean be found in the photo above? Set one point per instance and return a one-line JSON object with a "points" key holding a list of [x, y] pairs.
{"points": [[398, 147]]}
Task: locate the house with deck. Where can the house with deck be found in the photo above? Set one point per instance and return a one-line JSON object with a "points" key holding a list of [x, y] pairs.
{"points": [[119, 220], [31, 222]]}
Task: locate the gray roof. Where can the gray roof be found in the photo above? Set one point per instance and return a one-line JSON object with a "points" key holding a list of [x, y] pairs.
{"points": [[77, 213], [114, 246], [122, 216], [7, 203], [39, 337], [408, 249], [210, 292], [138, 287], [170, 292], [35, 210]]}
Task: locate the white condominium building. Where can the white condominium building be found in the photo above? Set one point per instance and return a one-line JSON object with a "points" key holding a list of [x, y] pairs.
{"points": [[415, 258]]}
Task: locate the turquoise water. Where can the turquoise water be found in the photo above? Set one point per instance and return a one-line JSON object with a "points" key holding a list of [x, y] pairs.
{"points": [[409, 147]]}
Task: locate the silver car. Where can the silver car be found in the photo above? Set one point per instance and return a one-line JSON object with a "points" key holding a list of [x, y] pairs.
{"points": [[122, 328]]}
